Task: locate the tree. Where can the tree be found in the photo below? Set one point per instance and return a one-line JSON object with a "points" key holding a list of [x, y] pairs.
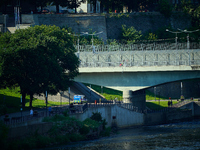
{"points": [[130, 34], [193, 10], [165, 8], [67, 3], [38, 59]]}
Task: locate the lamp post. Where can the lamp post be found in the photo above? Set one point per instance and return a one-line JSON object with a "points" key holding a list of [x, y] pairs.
{"points": [[93, 38], [78, 35], [188, 36], [61, 98], [176, 38], [69, 94], [46, 103]]}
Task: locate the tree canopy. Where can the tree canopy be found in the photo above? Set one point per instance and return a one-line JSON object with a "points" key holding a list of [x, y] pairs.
{"points": [[38, 59]]}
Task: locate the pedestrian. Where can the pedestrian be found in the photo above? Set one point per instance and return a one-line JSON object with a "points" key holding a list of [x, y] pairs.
{"points": [[49, 110], [168, 103], [31, 112]]}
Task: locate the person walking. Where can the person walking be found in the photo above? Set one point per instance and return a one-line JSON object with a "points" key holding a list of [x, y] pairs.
{"points": [[49, 111], [31, 112]]}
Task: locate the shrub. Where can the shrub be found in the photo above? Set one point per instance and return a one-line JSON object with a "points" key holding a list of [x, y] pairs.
{"points": [[165, 8], [96, 116], [130, 34], [84, 130]]}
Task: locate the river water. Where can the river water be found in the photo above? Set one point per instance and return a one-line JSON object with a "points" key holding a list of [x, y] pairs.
{"points": [[175, 136]]}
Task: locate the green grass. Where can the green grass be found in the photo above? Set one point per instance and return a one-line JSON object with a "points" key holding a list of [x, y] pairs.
{"points": [[151, 96], [157, 105], [108, 93], [11, 98]]}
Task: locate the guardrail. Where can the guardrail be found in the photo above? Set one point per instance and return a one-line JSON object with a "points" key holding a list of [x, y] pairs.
{"points": [[137, 47], [22, 119]]}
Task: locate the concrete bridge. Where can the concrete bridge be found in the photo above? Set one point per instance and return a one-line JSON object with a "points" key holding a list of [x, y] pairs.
{"points": [[135, 67]]}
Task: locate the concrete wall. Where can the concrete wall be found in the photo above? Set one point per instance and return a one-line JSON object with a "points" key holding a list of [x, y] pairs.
{"points": [[190, 88], [197, 109], [115, 114], [178, 115], [149, 21], [155, 118], [79, 23], [23, 131], [166, 117], [110, 25]]}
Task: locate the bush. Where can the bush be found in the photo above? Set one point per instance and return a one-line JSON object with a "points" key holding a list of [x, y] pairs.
{"points": [[84, 130], [130, 35], [96, 116], [165, 8], [106, 132], [76, 137]]}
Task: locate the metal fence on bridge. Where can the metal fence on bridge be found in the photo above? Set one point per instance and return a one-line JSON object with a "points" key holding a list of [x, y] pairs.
{"points": [[164, 54], [138, 47]]}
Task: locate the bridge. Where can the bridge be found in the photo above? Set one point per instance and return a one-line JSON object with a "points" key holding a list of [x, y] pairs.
{"points": [[138, 66]]}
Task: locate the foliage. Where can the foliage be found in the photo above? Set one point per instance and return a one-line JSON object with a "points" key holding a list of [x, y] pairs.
{"points": [[193, 10], [91, 123], [71, 4], [65, 113], [129, 35], [96, 116], [106, 132], [3, 134], [151, 36], [112, 42], [51, 47], [118, 15], [165, 8], [10, 101]]}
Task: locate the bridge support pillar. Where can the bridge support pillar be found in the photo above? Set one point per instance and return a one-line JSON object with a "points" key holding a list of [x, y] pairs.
{"points": [[137, 98], [127, 96]]}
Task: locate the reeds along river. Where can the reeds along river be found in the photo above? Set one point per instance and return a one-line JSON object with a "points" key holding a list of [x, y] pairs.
{"points": [[176, 136]]}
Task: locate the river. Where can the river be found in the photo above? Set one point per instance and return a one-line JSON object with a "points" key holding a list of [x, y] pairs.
{"points": [[175, 136]]}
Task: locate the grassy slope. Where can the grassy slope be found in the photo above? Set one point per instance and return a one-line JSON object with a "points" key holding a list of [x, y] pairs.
{"points": [[12, 99]]}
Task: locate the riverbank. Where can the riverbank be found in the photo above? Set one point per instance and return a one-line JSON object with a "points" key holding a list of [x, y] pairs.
{"points": [[174, 136]]}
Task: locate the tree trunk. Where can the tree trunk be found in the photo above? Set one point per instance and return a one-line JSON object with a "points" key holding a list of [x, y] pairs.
{"points": [[23, 99], [94, 6], [101, 7], [31, 100], [57, 8]]}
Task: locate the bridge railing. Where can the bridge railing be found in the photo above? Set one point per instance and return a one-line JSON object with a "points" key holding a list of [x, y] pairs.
{"points": [[141, 63], [138, 47]]}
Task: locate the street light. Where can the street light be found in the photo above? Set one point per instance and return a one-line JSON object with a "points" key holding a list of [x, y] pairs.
{"points": [[77, 40], [92, 38], [61, 92], [176, 38], [188, 40]]}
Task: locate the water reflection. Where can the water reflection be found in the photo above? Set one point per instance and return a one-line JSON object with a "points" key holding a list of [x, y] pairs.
{"points": [[177, 136]]}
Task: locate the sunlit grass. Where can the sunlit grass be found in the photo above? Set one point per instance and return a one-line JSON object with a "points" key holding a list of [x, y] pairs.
{"points": [[154, 105]]}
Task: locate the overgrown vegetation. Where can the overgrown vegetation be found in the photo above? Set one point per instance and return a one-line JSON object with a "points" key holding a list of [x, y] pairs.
{"points": [[65, 130]]}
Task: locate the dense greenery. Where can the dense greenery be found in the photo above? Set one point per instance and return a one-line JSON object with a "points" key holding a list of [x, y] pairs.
{"points": [[38, 59], [65, 130]]}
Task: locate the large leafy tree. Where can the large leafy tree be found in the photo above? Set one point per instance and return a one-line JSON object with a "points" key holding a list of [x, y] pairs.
{"points": [[38, 59]]}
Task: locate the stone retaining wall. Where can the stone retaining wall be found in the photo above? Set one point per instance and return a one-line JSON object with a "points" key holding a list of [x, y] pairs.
{"points": [[110, 25]]}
